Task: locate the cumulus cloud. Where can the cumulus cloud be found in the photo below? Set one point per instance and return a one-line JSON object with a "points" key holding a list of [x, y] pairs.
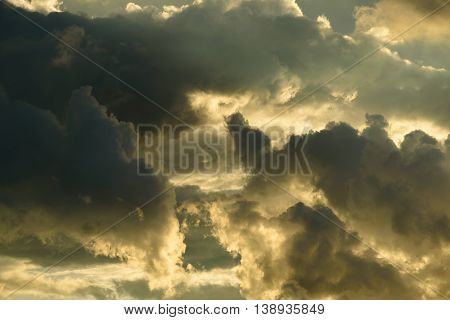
{"points": [[69, 169], [132, 7], [362, 172], [78, 177], [44, 6], [394, 196], [397, 192], [275, 57], [299, 254]]}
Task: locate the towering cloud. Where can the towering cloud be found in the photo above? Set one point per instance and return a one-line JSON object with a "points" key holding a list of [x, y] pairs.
{"points": [[68, 165], [303, 253], [393, 195], [78, 177]]}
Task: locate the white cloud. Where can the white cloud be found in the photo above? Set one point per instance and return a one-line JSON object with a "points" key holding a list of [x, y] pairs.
{"points": [[133, 7], [324, 22], [44, 6]]}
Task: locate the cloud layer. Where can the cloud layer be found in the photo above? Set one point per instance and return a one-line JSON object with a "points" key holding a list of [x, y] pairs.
{"points": [[376, 141], [274, 56]]}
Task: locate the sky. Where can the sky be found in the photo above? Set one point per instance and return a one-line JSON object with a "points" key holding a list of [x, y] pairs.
{"points": [[365, 215]]}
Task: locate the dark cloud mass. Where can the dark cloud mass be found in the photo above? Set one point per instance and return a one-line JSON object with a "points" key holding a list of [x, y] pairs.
{"points": [[366, 173], [78, 177], [394, 196], [68, 165], [301, 254], [201, 49], [361, 173], [342, 273]]}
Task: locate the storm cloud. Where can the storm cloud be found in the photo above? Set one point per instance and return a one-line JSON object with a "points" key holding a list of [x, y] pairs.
{"points": [[201, 49], [393, 195], [78, 177], [375, 140]]}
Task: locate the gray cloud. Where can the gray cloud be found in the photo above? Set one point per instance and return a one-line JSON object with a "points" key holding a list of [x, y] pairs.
{"points": [[300, 255], [203, 251], [369, 179], [78, 177], [393, 195], [70, 168], [167, 59], [400, 189], [328, 265]]}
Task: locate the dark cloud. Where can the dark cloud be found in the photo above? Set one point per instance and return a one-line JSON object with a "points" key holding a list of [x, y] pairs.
{"points": [[77, 177], [69, 168], [251, 144], [117, 44], [202, 49], [162, 59], [367, 177], [371, 179], [253, 148], [330, 267], [299, 254], [393, 195]]}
